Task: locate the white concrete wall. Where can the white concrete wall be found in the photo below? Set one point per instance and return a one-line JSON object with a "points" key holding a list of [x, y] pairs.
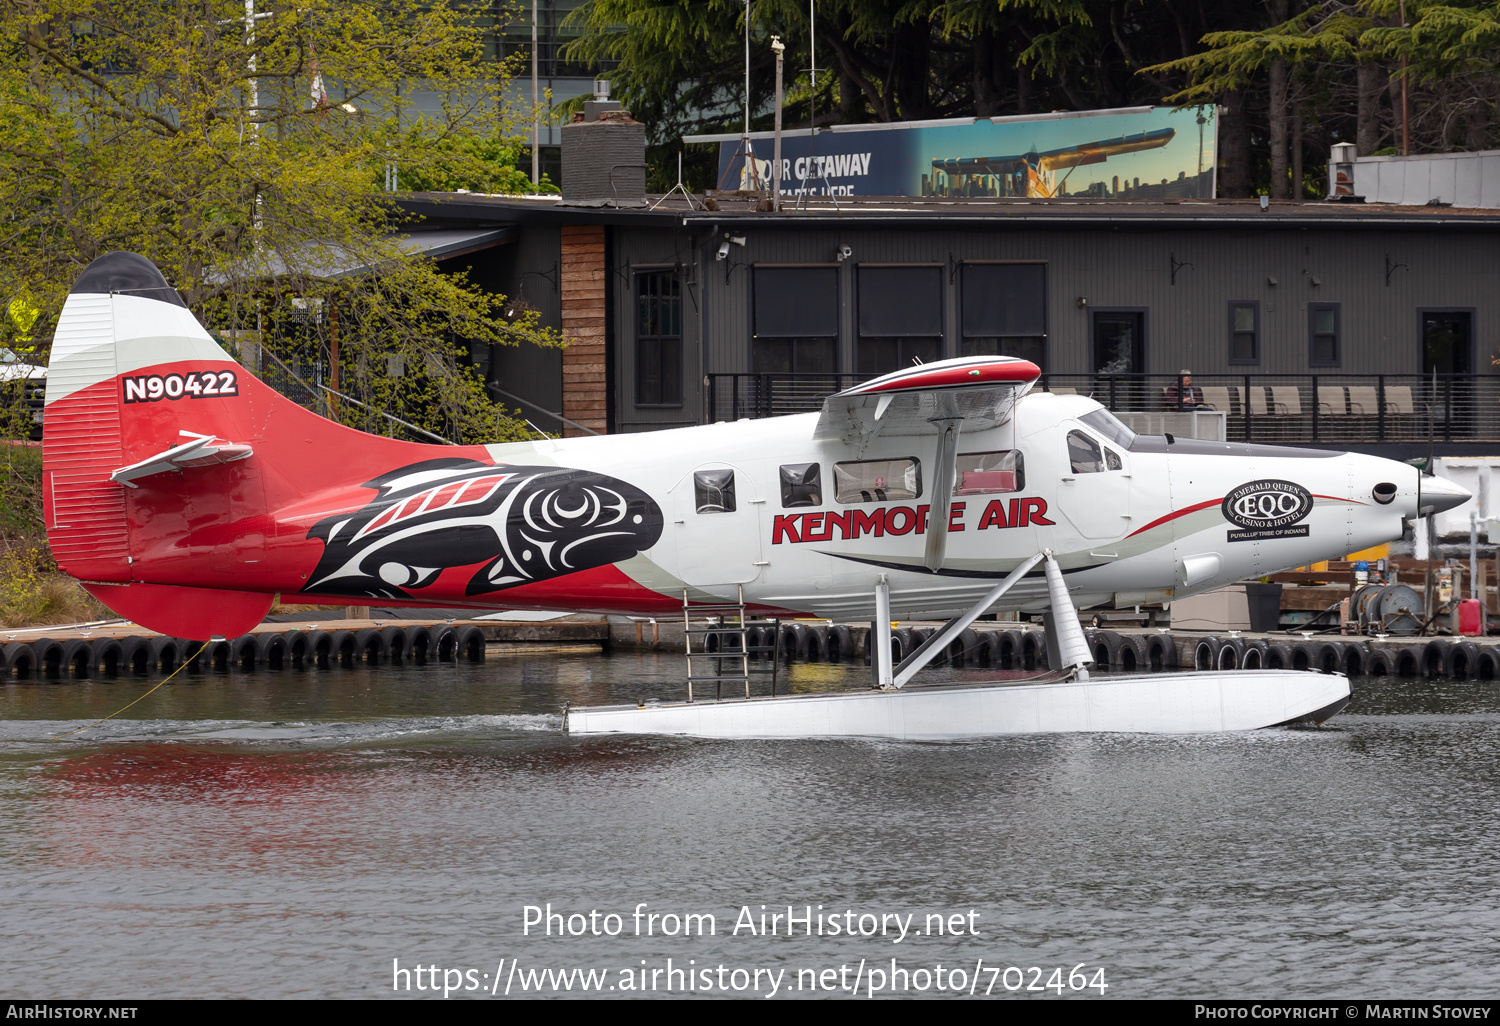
{"points": [[1467, 180], [1481, 476]]}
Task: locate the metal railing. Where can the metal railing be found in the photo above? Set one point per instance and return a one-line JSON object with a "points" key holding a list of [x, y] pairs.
{"points": [[1284, 408]]}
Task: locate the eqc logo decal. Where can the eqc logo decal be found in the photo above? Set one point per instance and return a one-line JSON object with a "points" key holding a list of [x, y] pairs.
{"points": [[150, 388], [1267, 509]]}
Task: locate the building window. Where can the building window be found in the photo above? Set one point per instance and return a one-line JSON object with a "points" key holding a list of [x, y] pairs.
{"points": [[1244, 331], [1003, 311], [900, 317], [658, 339], [795, 316], [1323, 335]]}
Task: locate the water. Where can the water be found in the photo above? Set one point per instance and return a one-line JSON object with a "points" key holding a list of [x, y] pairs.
{"points": [[291, 834]]}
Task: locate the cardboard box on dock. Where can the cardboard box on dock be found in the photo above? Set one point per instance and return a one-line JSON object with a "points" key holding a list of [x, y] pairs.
{"points": [[1224, 609]]}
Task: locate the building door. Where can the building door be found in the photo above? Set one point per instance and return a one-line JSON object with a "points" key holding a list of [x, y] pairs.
{"points": [[1447, 369], [1119, 358]]}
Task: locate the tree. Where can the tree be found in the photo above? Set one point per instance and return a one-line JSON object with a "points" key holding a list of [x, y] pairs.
{"points": [[251, 160]]}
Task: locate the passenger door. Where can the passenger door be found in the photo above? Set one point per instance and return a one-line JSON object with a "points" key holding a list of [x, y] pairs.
{"points": [[717, 520]]}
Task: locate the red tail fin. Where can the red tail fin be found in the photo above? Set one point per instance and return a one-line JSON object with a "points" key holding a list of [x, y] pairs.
{"points": [[164, 459]]}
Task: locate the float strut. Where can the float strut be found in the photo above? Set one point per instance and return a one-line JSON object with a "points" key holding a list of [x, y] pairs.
{"points": [[953, 628]]}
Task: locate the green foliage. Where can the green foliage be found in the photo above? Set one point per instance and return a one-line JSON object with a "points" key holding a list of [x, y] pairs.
{"points": [[140, 125]]}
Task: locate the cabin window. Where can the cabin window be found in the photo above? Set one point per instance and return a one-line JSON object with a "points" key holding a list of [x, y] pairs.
{"points": [[1084, 454], [1323, 334], [1112, 459], [989, 473], [801, 485], [1244, 331], [877, 480], [900, 317], [1003, 311], [658, 339], [795, 321], [714, 491]]}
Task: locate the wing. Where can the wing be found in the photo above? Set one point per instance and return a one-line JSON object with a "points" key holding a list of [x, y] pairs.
{"points": [[942, 399], [978, 391]]}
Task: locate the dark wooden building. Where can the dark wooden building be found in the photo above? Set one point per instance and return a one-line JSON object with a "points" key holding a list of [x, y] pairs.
{"points": [[1344, 324]]}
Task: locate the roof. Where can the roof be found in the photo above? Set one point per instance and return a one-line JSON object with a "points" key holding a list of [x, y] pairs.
{"points": [[904, 211], [332, 261]]}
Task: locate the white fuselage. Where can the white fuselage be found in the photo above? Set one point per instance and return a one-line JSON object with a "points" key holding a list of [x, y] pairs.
{"points": [[1146, 524]]}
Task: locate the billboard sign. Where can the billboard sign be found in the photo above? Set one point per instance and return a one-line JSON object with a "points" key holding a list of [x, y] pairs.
{"points": [[1153, 153]]}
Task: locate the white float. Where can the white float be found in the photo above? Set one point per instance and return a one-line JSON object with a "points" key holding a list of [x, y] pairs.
{"points": [[1164, 703]]}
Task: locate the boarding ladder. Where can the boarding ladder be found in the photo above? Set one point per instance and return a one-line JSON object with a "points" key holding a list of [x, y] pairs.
{"points": [[724, 621]]}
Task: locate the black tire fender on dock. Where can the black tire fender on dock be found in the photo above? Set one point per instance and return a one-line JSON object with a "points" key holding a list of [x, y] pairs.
{"points": [[1381, 663], [469, 644], [78, 658], [1305, 655], [166, 653], [395, 644], [319, 648], [193, 653], [1033, 650], [296, 648], [1487, 663], [418, 644], [840, 643], [21, 659], [219, 655], [1161, 652], [1010, 649], [1231, 654], [1330, 657], [1434, 657], [244, 653], [271, 650], [988, 655], [135, 655], [1462, 661], [341, 647], [369, 646], [1104, 647], [1408, 661], [1205, 652], [793, 642], [964, 649], [48, 655], [903, 643], [108, 656], [816, 640], [1279, 655], [443, 639], [1355, 658], [1253, 657]]}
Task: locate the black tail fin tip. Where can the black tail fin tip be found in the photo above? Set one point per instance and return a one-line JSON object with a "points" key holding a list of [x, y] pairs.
{"points": [[128, 273]]}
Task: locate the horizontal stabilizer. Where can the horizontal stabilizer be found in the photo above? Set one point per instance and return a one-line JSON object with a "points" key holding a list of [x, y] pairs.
{"points": [[195, 614], [202, 451]]}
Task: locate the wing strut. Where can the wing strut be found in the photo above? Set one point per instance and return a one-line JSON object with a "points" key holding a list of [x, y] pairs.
{"points": [[1072, 648], [942, 491], [953, 628]]}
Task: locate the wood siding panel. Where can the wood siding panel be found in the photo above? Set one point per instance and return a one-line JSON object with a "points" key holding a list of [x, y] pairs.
{"points": [[582, 288]]}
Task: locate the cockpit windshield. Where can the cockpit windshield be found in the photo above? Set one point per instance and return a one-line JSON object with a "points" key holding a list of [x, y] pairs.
{"points": [[1111, 427]]}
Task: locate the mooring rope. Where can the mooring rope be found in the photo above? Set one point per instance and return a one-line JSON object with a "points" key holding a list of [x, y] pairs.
{"points": [[182, 666]]}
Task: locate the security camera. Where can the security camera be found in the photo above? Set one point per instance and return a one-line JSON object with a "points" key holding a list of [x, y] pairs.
{"points": [[723, 253], [845, 253]]}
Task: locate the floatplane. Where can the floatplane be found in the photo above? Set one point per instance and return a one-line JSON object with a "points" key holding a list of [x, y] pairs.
{"points": [[186, 494]]}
